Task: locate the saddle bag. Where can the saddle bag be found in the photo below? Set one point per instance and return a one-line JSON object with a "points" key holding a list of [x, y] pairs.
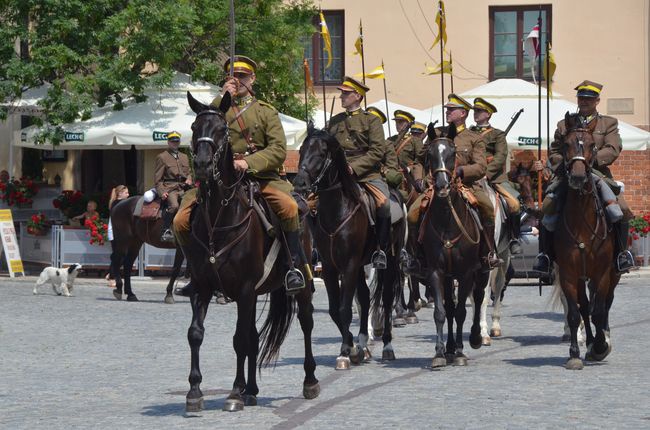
{"points": [[151, 210], [468, 195]]}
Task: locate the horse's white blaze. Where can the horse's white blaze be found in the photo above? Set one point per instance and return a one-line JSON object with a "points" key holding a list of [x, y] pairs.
{"points": [[441, 161]]}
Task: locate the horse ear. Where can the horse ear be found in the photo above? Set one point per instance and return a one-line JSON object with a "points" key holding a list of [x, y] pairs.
{"points": [[226, 102], [568, 121], [451, 131], [431, 131], [196, 105], [310, 127]]}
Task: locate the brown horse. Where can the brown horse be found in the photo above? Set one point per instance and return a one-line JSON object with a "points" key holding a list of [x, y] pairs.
{"points": [[130, 232], [227, 252], [584, 247], [451, 246]]}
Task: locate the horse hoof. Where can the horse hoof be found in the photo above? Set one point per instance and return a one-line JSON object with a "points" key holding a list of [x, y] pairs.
{"points": [[574, 364], [566, 338], [132, 298], [233, 405], [399, 322], [342, 363], [495, 332], [438, 362], [388, 355], [487, 341], [194, 405], [169, 299], [117, 294], [460, 360], [450, 358], [592, 355], [310, 391], [412, 319], [431, 305], [477, 345], [356, 355], [378, 333], [367, 355], [250, 400]]}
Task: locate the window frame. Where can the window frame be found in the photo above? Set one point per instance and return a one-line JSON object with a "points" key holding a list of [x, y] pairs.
{"points": [[521, 35], [316, 47]]}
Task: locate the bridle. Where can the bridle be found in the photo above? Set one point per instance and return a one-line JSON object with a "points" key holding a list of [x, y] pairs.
{"points": [[581, 150], [314, 186]]}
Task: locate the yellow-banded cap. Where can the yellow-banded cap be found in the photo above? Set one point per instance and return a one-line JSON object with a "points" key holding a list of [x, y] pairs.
{"points": [[351, 84], [174, 136], [242, 64], [403, 115], [378, 113], [455, 101], [588, 89], [480, 103], [418, 127]]}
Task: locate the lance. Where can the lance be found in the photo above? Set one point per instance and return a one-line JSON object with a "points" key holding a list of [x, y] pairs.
{"points": [[232, 38], [539, 123], [304, 68], [451, 72], [385, 93], [513, 120], [332, 107], [363, 63], [442, 58], [322, 68]]}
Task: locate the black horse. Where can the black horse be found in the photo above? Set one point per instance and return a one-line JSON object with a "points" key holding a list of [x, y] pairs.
{"points": [[226, 251], [345, 240], [451, 246], [129, 233]]}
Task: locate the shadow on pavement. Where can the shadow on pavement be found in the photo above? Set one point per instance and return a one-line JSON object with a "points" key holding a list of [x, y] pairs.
{"points": [[551, 316], [210, 406], [537, 361]]}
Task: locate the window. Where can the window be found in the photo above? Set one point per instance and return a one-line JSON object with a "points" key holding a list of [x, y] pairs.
{"points": [[315, 55], [509, 27]]}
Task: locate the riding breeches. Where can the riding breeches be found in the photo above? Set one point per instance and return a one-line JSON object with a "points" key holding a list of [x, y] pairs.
{"points": [[485, 206], [181, 223], [281, 203], [173, 200], [509, 194], [378, 189]]}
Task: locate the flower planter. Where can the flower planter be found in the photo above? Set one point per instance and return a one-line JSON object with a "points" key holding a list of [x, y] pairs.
{"points": [[641, 250]]}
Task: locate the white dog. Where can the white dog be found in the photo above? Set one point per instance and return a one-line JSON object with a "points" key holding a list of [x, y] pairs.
{"points": [[62, 280]]}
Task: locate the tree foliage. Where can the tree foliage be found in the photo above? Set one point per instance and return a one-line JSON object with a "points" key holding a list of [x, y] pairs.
{"points": [[105, 51]]}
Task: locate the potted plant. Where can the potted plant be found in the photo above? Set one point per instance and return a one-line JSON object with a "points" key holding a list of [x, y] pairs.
{"points": [[70, 202], [18, 192], [37, 224], [639, 229], [98, 230]]}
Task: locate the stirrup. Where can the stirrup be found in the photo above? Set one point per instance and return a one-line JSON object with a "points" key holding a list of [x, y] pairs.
{"points": [[515, 247], [378, 260], [493, 260], [624, 261], [542, 264], [296, 283], [167, 236]]}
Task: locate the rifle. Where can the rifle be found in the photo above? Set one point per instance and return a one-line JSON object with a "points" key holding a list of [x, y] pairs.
{"points": [[232, 38], [513, 120]]}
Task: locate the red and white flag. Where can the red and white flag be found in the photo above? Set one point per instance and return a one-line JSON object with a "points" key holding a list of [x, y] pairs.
{"points": [[532, 47]]}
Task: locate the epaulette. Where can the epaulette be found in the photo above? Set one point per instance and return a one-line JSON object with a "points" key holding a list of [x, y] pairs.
{"points": [[263, 103]]}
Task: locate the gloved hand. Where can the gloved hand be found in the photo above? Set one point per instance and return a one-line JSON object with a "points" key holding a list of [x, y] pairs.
{"points": [[460, 174]]}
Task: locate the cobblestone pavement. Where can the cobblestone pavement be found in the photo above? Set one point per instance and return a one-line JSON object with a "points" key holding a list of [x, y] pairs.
{"points": [[89, 361]]}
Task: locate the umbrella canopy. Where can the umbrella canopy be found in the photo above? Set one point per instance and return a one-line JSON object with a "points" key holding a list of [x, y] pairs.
{"points": [[510, 95], [145, 125]]}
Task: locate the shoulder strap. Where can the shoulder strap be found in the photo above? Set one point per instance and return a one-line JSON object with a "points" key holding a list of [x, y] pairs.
{"points": [[486, 131], [244, 131], [402, 145]]}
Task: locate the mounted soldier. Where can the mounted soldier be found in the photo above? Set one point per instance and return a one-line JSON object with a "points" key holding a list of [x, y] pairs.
{"points": [[608, 144], [390, 169], [361, 136], [172, 176], [496, 148], [410, 153], [259, 144]]}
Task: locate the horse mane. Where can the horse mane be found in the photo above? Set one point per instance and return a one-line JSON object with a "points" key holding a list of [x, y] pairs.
{"points": [[349, 185]]}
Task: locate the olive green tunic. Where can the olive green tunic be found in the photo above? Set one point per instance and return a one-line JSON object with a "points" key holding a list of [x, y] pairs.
{"points": [[390, 169], [409, 150], [497, 153]]}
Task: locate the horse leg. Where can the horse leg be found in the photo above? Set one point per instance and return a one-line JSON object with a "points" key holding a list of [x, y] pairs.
{"points": [[450, 308], [117, 260], [178, 262], [602, 345], [334, 292], [251, 391], [475, 337], [485, 336], [573, 318], [242, 345], [436, 287], [400, 309], [388, 283], [497, 289], [464, 289], [414, 288], [584, 306], [310, 386], [348, 288], [200, 301], [412, 304], [363, 294], [128, 265]]}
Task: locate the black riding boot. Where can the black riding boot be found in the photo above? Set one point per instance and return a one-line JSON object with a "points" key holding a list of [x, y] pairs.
{"points": [[544, 260], [382, 227], [624, 258], [167, 235], [294, 281], [515, 231], [491, 260]]}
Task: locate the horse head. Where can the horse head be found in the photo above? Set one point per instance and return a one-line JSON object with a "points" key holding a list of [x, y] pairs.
{"points": [[441, 158], [319, 152], [579, 150], [210, 138]]}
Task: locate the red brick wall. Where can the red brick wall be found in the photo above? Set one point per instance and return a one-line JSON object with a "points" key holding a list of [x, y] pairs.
{"points": [[291, 163], [633, 168]]}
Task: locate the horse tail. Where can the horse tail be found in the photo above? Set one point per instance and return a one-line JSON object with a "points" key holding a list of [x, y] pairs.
{"points": [[376, 287], [276, 326], [555, 301]]}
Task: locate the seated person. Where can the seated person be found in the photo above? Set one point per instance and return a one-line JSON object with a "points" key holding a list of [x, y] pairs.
{"points": [[91, 210]]}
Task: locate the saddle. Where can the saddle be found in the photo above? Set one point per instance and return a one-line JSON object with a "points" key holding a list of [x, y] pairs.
{"points": [[148, 211], [370, 207]]}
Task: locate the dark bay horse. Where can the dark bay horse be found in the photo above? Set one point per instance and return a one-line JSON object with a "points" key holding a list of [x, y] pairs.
{"points": [[451, 245], [584, 247], [129, 233], [345, 240], [226, 251]]}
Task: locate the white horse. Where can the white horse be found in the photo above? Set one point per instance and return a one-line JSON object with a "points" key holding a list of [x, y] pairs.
{"points": [[497, 279]]}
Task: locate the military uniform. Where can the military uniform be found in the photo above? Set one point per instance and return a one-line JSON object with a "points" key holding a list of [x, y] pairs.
{"points": [[409, 150], [171, 170], [390, 169]]}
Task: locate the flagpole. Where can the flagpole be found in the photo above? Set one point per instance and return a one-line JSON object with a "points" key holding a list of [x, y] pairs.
{"points": [[322, 70], [548, 95], [451, 71], [363, 63], [539, 110], [385, 95], [304, 71], [442, 58]]}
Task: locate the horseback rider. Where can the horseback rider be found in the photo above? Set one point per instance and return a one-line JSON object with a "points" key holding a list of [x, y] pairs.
{"points": [[361, 136], [497, 154], [260, 148], [390, 170], [409, 149], [607, 142], [471, 166], [172, 176]]}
